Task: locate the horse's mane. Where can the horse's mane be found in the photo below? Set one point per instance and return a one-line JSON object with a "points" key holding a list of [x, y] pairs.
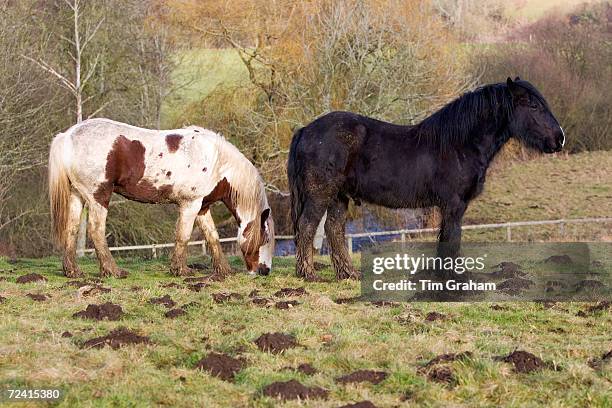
{"points": [[247, 186], [454, 124]]}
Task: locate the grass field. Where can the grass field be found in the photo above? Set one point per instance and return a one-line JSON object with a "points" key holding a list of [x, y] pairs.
{"points": [[336, 339]]}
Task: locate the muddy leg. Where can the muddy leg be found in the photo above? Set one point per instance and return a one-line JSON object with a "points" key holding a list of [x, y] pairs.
{"points": [[184, 227], [334, 230], [219, 261], [69, 265], [304, 238], [97, 231]]}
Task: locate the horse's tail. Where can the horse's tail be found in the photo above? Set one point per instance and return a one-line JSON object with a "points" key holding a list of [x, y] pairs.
{"points": [[59, 186], [295, 175]]}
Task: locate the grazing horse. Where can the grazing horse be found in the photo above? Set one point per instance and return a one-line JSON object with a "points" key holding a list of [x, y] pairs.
{"points": [[191, 167], [441, 162]]}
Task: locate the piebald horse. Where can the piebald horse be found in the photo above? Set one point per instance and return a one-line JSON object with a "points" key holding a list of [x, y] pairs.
{"points": [[190, 167]]}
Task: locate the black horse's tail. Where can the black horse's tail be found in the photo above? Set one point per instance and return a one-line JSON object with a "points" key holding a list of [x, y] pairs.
{"points": [[296, 180]]}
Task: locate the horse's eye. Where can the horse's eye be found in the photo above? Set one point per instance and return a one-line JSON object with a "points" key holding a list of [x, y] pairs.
{"points": [[534, 106]]}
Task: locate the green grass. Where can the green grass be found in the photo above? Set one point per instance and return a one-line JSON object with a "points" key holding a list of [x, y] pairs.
{"points": [[337, 339], [198, 73]]}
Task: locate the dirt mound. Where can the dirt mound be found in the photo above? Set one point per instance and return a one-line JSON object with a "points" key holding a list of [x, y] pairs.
{"points": [[445, 358], [276, 342], [291, 390], [286, 304], [260, 301], [38, 297], [91, 290], [117, 338], [514, 286], [342, 301], [221, 365], [198, 266], [288, 292], [559, 260], [589, 285], [66, 334], [171, 285], [508, 270], [524, 362], [31, 277], [597, 363], [225, 297], [195, 279], [434, 316], [441, 374], [104, 311], [80, 283], [2, 299], [196, 287], [499, 307], [307, 369], [174, 313], [361, 404], [384, 303], [358, 376], [601, 306], [164, 300]]}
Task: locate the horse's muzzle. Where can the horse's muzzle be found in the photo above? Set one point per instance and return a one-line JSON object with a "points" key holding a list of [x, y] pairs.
{"points": [[263, 270]]}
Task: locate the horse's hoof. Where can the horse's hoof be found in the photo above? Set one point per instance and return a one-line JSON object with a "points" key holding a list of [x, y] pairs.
{"points": [[355, 275]]}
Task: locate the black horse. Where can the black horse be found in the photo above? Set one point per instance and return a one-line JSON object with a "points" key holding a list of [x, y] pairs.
{"points": [[440, 162]]}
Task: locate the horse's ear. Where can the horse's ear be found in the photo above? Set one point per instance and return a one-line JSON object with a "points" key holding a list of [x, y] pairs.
{"points": [[517, 79], [517, 91], [264, 217]]}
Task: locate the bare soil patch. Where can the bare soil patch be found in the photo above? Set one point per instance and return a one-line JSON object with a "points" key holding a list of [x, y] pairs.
{"points": [[164, 300], [445, 358], [92, 290], [225, 297], [276, 343], [499, 307], [260, 301], [198, 266], [117, 338], [598, 362], [291, 390], [31, 277], [434, 316], [2, 299], [221, 365], [104, 311], [194, 279], [361, 404], [523, 361], [384, 303], [307, 369], [66, 334], [38, 297], [174, 313], [441, 374], [171, 285], [359, 376], [342, 301], [286, 304], [289, 292], [196, 287], [514, 286]]}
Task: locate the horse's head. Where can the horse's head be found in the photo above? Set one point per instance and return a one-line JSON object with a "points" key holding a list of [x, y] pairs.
{"points": [[532, 121], [256, 240]]}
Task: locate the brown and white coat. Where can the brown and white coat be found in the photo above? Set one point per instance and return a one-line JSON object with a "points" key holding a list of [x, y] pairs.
{"points": [[191, 167]]}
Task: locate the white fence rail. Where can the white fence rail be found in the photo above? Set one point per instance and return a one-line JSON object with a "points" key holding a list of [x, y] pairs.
{"points": [[403, 233]]}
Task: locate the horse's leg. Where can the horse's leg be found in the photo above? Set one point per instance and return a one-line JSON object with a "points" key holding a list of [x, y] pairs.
{"points": [[334, 229], [207, 226], [69, 263], [184, 226], [97, 231], [449, 242], [304, 238]]}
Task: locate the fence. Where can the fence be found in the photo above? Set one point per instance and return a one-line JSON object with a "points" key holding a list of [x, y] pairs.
{"points": [[403, 233]]}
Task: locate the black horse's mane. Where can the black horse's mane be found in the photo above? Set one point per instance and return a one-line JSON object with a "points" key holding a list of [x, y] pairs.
{"points": [[454, 124]]}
